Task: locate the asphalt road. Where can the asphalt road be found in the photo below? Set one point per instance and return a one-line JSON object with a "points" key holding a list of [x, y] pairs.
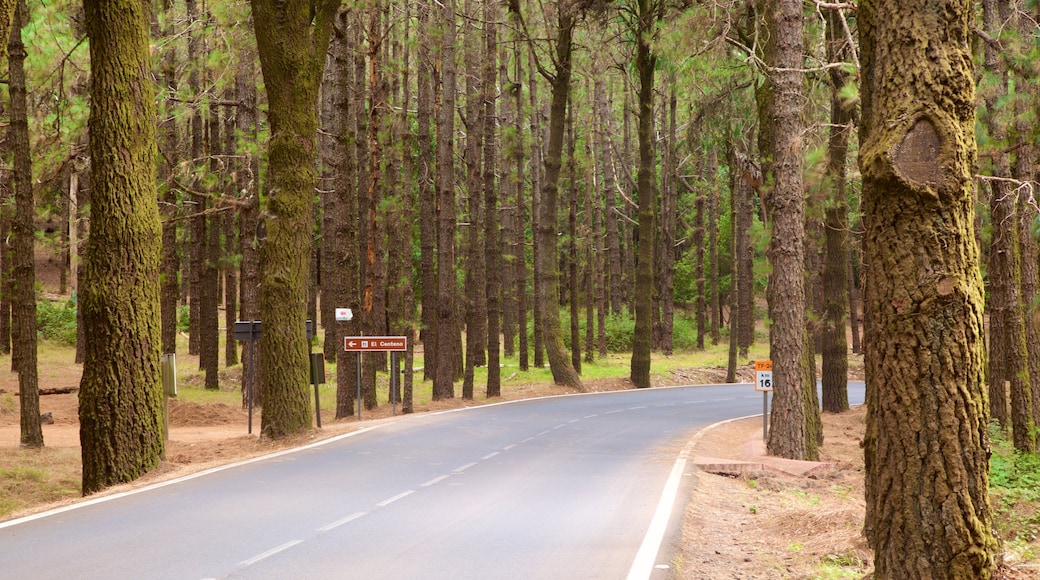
{"points": [[578, 487]]}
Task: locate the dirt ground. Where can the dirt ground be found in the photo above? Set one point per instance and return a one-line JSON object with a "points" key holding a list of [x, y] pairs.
{"points": [[763, 523]]}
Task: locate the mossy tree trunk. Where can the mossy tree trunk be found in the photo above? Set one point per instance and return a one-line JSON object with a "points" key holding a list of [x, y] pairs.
{"points": [[926, 443], [292, 38], [547, 269], [120, 406]]}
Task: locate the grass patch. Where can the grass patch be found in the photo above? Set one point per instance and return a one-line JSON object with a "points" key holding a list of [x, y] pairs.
{"points": [[37, 477]]}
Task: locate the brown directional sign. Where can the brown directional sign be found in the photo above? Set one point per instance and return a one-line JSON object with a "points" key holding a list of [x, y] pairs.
{"points": [[374, 343]]}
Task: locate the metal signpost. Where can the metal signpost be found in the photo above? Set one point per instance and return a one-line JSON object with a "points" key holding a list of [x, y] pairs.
{"points": [[764, 384], [249, 331], [361, 344]]}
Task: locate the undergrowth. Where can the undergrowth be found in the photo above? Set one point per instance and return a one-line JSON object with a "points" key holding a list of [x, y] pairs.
{"points": [[1015, 494]]}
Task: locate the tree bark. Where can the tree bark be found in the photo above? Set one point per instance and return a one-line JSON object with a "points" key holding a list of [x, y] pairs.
{"points": [[492, 223], [794, 425], [447, 329], [645, 185], [23, 269], [292, 38], [836, 266], [926, 444], [546, 262], [744, 258], [476, 274], [120, 406]]}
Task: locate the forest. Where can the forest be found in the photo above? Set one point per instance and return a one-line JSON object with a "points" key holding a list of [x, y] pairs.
{"points": [[550, 182]]}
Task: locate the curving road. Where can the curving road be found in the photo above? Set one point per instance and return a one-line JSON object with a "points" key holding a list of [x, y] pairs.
{"points": [[565, 487]]}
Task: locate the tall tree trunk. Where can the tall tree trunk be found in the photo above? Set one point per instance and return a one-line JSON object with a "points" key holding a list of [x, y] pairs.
{"points": [[292, 38], [476, 277], [425, 78], [447, 330], [698, 268], [572, 255], [1008, 360], [713, 249], [340, 259], [120, 400], [231, 236], [794, 427], [196, 240], [546, 262], [519, 223], [171, 262], [613, 242], [744, 258], [537, 185], [373, 291], [647, 200], [926, 444], [492, 223], [510, 186], [669, 207], [23, 269], [836, 267], [247, 182], [209, 337]]}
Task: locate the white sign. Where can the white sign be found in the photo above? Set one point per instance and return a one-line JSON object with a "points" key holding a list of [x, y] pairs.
{"points": [[344, 314], [764, 376]]}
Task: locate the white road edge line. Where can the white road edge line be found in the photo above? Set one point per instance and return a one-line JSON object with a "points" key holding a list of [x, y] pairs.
{"points": [[646, 557], [489, 455], [463, 468], [342, 522], [269, 553]]}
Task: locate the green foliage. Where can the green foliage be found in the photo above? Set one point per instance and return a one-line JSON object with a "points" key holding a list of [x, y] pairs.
{"points": [[183, 317], [1014, 489], [56, 321]]}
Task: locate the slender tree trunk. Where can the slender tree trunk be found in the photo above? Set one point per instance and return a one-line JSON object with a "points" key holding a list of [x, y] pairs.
{"points": [[247, 182], [492, 223], [537, 185], [744, 259], [1008, 360], [23, 270], [669, 207], [698, 268], [926, 444], [120, 401], [475, 300], [519, 224], [836, 265], [447, 331], [425, 78], [646, 186], [713, 250], [613, 242], [572, 255], [171, 262], [509, 184]]}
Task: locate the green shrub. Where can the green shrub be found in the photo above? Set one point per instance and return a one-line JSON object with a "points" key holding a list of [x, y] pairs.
{"points": [[183, 317], [56, 321]]}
